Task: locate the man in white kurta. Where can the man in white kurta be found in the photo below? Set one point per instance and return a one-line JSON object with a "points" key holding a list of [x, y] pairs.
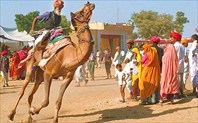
{"points": [[176, 38], [184, 42], [80, 74], [192, 62], [129, 45], [98, 62]]}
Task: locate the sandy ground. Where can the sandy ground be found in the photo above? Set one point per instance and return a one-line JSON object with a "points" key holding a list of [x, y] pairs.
{"points": [[97, 102]]}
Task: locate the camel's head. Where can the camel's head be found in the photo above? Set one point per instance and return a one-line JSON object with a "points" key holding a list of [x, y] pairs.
{"points": [[82, 16]]}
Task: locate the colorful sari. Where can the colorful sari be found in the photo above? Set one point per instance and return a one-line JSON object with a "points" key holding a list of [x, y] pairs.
{"points": [[150, 75], [139, 57], [169, 83], [136, 77], [13, 68]]}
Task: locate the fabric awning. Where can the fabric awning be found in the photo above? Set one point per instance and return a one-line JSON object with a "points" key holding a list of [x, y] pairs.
{"points": [[14, 35]]}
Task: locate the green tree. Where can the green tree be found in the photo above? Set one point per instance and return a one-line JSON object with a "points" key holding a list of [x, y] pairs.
{"points": [[149, 23], [24, 22], [135, 36], [65, 24], [180, 21]]}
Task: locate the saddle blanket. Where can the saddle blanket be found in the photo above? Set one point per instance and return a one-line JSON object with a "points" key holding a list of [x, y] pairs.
{"points": [[52, 49]]}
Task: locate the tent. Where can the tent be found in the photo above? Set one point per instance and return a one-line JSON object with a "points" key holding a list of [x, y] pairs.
{"points": [[13, 38], [14, 35]]}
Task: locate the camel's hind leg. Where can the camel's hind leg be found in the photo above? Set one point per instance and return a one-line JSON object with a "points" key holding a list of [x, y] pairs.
{"points": [[63, 87], [39, 79], [45, 102], [29, 75]]}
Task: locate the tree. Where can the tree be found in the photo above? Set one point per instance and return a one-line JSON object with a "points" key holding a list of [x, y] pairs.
{"points": [[65, 24], [180, 21], [149, 23], [135, 36], [24, 22]]}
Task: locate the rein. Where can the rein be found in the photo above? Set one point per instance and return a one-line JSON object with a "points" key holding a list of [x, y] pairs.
{"points": [[82, 30]]}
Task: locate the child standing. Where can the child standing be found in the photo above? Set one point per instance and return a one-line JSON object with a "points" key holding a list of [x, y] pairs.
{"points": [[128, 71], [121, 81]]}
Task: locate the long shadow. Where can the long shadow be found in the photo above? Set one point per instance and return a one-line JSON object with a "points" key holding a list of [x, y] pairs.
{"points": [[11, 87], [129, 112], [105, 79], [8, 92], [100, 85], [184, 100]]}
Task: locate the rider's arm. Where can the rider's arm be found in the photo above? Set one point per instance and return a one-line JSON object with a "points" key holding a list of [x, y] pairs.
{"points": [[41, 18], [33, 24]]}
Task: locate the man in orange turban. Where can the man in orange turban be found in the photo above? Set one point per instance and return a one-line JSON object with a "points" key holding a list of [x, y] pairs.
{"points": [[180, 50], [184, 42]]}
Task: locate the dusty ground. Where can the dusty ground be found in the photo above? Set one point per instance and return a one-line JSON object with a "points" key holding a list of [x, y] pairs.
{"points": [[97, 102]]}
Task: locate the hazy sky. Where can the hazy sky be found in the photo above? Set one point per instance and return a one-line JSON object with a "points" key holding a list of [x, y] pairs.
{"points": [[110, 11]]}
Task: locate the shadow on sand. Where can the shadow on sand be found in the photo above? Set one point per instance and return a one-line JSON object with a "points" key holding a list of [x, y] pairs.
{"points": [[130, 112]]}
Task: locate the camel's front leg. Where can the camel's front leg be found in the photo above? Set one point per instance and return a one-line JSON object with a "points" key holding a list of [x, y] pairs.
{"points": [[63, 87], [45, 102], [29, 75]]}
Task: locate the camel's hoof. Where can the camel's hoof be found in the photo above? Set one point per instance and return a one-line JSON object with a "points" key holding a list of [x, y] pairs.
{"points": [[30, 119], [11, 115], [33, 111], [55, 121]]}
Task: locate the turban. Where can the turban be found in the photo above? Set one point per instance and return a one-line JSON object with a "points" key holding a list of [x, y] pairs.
{"points": [[176, 36], [155, 39], [4, 53], [129, 41], [184, 40]]}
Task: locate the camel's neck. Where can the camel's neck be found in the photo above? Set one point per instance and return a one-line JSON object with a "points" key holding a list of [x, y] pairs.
{"points": [[85, 46]]}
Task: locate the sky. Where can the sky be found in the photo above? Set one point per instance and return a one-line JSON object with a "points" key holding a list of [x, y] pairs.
{"points": [[110, 11]]}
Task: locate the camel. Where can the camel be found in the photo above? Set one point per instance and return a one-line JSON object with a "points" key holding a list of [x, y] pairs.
{"points": [[64, 63]]}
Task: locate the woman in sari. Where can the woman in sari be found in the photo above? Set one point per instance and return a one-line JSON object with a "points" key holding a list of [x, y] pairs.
{"points": [[150, 75], [169, 84], [13, 70], [21, 70], [136, 76]]}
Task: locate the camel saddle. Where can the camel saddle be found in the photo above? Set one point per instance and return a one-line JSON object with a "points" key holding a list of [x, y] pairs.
{"points": [[50, 50]]}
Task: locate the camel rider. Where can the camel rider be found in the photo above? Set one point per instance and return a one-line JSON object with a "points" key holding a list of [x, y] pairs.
{"points": [[50, 20]]}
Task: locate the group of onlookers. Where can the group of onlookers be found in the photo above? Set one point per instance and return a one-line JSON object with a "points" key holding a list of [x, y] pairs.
{"points": [[9, 62], [155, 74]]}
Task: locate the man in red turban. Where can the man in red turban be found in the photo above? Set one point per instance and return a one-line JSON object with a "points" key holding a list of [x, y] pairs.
{"points": [[176, 36], [4, 53], [4, 67], [180, 50]]}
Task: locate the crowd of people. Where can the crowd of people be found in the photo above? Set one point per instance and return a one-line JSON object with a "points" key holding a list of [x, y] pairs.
{"points": [[152, 73], [158, 74], [9, 62]]}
